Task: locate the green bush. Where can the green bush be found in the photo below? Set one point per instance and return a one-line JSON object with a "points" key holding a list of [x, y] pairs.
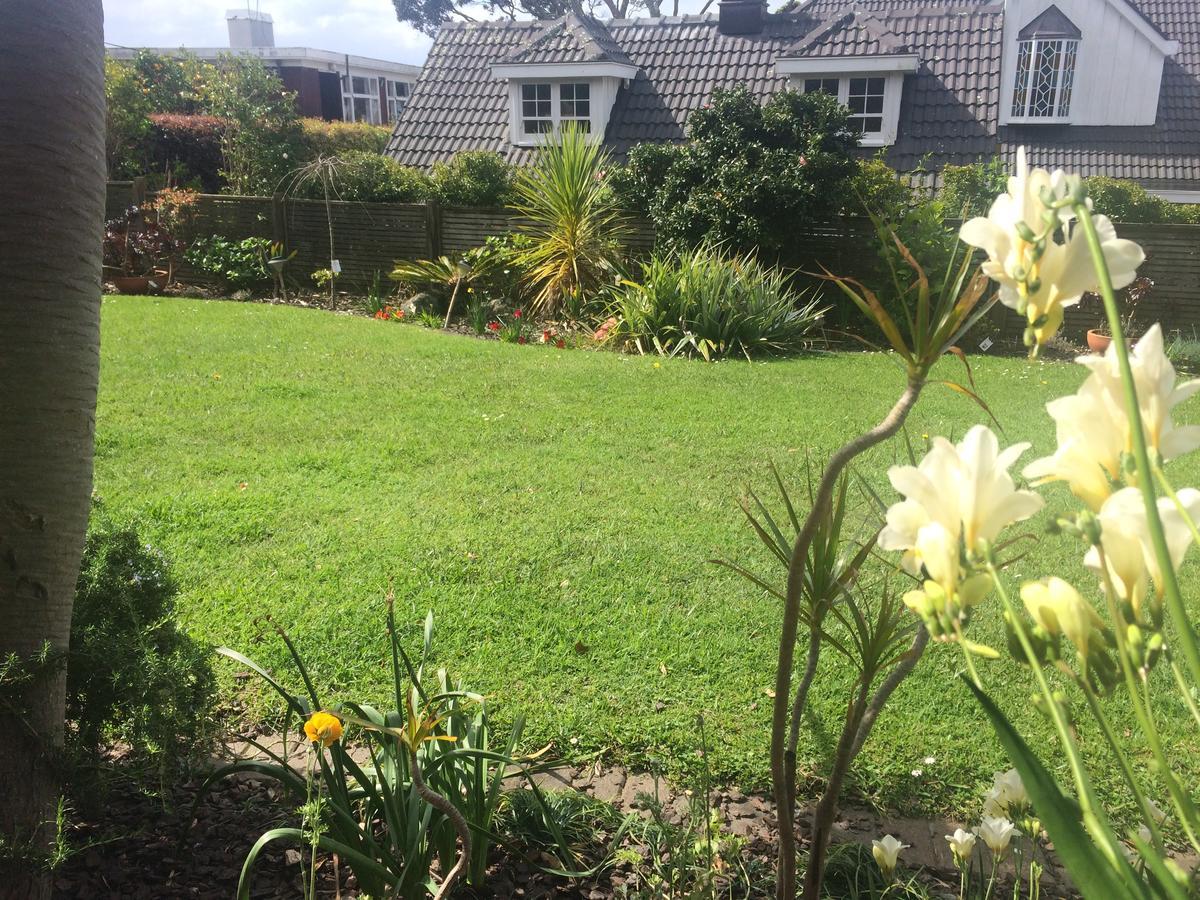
{"points": [[748, 176], [132, 673], [370, 178], [239, 265], [321, 138], [473, 178], [704, 303], [970, 190]]}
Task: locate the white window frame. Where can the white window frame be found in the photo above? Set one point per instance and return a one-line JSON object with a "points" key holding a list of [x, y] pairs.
{"points": [[1029, 50], [889, 116], [371, 96], [595, 126]]}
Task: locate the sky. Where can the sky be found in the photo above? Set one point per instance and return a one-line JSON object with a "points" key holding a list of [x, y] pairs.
{"points": [[363, 27]]}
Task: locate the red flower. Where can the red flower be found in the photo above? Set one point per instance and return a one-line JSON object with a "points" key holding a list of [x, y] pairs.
{"points": [[521, 339], [493, 326], [560, 344], [547, 336], [398, 314], [516, 314]]}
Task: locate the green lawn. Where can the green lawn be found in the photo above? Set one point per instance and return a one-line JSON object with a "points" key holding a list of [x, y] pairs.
{"points": [[539, 502]]}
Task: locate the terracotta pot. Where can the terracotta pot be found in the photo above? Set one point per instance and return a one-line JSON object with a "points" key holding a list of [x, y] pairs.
{"points": [[1098, 342], [132, 284]]}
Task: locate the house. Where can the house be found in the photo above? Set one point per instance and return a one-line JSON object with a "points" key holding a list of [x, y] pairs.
{"points": [[1095, 86], [328, 85]]}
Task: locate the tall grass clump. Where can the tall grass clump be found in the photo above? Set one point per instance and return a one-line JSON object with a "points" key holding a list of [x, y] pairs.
{"points": [[576, 226], [706, 303]]}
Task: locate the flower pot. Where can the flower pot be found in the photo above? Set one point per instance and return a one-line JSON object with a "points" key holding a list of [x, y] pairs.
{"points": [[1098, 342], [132, 284]]}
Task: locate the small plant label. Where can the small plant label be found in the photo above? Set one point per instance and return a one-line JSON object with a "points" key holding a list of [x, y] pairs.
{"points": [[986, 344], [335, 266]]}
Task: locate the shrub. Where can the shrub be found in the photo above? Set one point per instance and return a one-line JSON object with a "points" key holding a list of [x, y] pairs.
{"points": [[369, 178], [708, 304], [574, 238], [126, 119], [969, 190], [188, 147], [132, 673], [137, 244], [748, 176], [321, 138], [473, 178], [239, 265], [1126, 201]]}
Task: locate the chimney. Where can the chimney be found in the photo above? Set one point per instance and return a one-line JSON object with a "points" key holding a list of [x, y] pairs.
{"points": [[741, 16], [249, 28]]}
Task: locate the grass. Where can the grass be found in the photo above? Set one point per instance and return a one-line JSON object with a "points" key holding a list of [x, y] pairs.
{"points": [[557, 511]]}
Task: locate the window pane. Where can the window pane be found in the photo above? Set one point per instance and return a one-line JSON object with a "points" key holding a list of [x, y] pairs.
{"points": [[401, 88], [537, 126], [872, 125], [875, 104], [874, 85], [858, 105], [1045, 79], [1068, 79], [360, 84], [360, 110], [858, 86], [391, 89]]}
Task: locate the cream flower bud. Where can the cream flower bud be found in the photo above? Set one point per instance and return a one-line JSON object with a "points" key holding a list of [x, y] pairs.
{"points": [[1058, 608], [996, 833], [962, 845], [886, 851]]}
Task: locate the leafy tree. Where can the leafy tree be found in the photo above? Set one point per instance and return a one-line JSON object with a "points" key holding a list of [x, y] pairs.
{"points": [[173, 84], [263, 129], [748, 176], [429, 15], [127, 118]]}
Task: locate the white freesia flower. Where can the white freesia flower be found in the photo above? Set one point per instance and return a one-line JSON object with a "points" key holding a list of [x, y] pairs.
{"points": [[996, 832], [1041, 285], [1125, 539], [1006, 796], [886, 851], [962, 845], [1093, 429], [956, 498], [1059, 609]]}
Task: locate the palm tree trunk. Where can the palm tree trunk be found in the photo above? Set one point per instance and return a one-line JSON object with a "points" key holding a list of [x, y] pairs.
{"points": [[51, 219]]}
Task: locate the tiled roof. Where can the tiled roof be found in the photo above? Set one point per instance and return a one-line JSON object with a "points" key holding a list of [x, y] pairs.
{"points": [[949, 113], [568, 40], [850, 33]]}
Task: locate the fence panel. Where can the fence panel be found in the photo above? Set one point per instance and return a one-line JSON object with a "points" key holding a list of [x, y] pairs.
{"points": [[370, 237]]}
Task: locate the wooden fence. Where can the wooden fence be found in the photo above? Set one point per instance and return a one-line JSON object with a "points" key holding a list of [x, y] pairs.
{"points": [[369, 237]]}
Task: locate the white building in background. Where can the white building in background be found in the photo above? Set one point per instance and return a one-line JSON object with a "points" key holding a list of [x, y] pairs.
{"points": [[328, 85]]}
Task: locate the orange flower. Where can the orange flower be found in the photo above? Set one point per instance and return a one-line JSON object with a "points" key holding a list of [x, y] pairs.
{"points": [[323, 728]]}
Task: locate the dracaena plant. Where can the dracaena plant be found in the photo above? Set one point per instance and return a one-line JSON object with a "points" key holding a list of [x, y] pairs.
{"points": [[1106, 625]]}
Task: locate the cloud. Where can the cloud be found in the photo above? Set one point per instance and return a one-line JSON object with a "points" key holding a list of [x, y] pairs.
{"points": [[363, 27]]}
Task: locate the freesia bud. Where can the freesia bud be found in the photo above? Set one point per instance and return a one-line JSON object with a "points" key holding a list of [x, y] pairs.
{"points": [[886, 851], [962, 844]]}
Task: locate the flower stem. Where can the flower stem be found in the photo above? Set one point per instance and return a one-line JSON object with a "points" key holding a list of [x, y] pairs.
{"points": [[1158, 537]]}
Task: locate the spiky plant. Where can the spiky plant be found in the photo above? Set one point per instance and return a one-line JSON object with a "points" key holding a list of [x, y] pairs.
{"points": [[575, 224]]}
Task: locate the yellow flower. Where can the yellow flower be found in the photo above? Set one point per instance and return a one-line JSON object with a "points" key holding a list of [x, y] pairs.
{"points": [[323, 728]]}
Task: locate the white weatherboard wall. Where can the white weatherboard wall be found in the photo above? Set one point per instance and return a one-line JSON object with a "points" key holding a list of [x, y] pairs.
{"points": [[1118, 71]]}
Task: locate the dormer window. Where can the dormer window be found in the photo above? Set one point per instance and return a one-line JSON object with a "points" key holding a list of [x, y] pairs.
{"points": [[536, 109], [1047, 49], [549, 106], [863, 96]]}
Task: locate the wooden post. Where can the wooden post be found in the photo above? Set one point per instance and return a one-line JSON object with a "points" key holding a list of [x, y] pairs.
{"points": [[279, 220], [433, 228], [139, 190]]}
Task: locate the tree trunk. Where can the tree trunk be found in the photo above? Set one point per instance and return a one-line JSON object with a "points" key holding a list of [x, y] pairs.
{"points": [[51, 221]]}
